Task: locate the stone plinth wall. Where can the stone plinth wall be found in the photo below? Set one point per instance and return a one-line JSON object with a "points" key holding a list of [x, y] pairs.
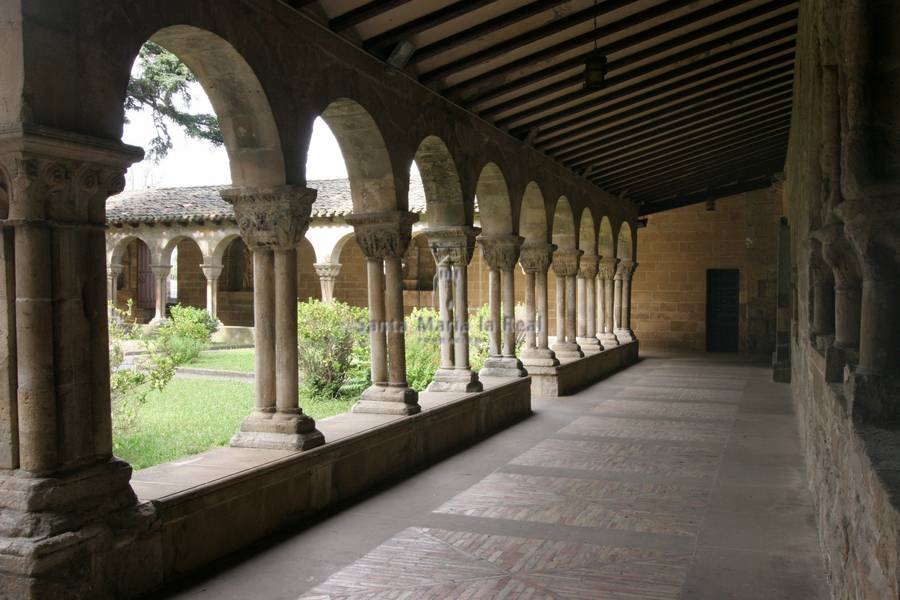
{"points": [[674, 252], [575, 375]]}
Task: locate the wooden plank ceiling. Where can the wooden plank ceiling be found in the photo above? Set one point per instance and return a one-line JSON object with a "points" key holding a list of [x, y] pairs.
{"points": [[697, 98]]}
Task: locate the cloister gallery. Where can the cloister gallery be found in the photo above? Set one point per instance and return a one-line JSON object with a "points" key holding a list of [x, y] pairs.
{"points": [[713, 175]]}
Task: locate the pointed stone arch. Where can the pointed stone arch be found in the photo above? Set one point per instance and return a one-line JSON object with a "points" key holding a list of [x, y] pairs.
{"points": [[494, 203], [533, 215]]}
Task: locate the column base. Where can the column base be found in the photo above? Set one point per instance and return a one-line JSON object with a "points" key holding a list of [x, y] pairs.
{"points": [[502, 366], [608, 340], [455, 380], [388, 400], [625, 336], [278, 431], [539, 357], [567, 351], [589, 345]]}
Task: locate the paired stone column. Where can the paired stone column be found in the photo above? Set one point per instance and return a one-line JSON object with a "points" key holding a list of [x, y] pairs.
{"points": [[58, 475], [452, 248], [623, 294], [871, 227], [607, 274], [781, 357], [501, 254], [587, 310], [383, 238], [272, 223], [212, 272], [535, 259], [112, 279], [565, 266], [328, 273], [822, 326], [161, 290]]}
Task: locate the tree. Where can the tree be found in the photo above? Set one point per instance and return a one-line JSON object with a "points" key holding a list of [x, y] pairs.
{"points": [[162, 86]]}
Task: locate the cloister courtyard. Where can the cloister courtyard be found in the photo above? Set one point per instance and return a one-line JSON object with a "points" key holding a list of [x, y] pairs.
{"points": [[457, 299]]}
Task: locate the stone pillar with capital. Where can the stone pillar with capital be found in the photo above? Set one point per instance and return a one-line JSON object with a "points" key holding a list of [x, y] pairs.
{"points": [[565, 266], [452, 248], [623, 295], [212, 272], [59, 477], [161, 289], [272, 222], [383, 238], [535, 259], [501, 254], [587, 295], [328, 273], [113, 272], [607, 274]]}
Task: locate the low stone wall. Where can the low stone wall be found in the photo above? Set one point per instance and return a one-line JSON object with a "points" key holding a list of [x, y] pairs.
{"points": [[167, 537], [854, 474], [570, 377]]}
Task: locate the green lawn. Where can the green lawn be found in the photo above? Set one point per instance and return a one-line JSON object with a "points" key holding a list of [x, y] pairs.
{"points": [[226, 360], [193, 415]]}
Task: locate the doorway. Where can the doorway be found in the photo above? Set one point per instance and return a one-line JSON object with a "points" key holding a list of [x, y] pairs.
{"points": [[722, 309]]}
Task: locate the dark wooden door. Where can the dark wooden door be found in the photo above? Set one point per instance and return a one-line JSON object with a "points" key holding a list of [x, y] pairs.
{"points": [[146, 289], [722, 308]]}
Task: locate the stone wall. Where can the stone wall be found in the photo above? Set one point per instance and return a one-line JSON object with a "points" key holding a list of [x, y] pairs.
{"points": [[191, 281], [674, 252]]}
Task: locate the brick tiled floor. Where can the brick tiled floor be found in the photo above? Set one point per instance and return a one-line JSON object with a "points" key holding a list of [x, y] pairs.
{"points": [[680, 477]]}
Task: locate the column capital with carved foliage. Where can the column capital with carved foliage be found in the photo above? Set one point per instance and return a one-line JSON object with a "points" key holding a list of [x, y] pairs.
{"points": [[536, 257], [273, 218], [501, 252], [625, 269], [607, 267], [565, 262], [383, 234], [452, 245], [588, 265]]}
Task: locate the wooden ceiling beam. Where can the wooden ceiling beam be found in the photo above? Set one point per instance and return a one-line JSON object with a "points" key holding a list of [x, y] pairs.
{"points": [[363, 13], [750, 185], [384, 41]]}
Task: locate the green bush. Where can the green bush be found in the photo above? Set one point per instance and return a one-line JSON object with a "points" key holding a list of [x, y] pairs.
{"points": [[191, 323], [423, 347], [327, 336]]}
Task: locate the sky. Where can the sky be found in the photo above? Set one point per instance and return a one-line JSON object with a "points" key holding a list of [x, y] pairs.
{"points": [[196, 162]]}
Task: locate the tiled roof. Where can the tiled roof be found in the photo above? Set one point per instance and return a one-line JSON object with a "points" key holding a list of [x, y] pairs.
{"points": [[196, 204]]}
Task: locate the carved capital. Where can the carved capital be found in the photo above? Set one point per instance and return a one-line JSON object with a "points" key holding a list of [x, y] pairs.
{"points": [[588, 266], [871, 227], [452, 246], [536, 256], [273, 218], [607, 267], [114, 270], [212, 272], [838, 254], [161, 271], [501, 252], [384, 234], [327, 270], [625, 269], [565, 262]]}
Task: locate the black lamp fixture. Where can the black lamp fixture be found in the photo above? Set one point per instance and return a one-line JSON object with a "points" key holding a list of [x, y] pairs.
{"points": [[595, 64]]}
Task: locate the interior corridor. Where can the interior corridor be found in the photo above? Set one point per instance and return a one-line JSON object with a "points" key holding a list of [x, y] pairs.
{"points": [[680, 477]]}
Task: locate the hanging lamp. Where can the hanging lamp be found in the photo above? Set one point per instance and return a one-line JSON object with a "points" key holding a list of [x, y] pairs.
{"points": [[595, 64]]}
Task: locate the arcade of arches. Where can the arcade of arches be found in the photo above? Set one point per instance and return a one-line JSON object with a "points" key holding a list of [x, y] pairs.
{"points": [[510, 209]]}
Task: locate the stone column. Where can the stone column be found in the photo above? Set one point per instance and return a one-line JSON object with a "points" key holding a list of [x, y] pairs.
{"points": [[822, 326], [587, 328], [501, 254], [624, 333], [383, 238], [272, 222], [535, 259], [781, 357], [607, 273], [452, 249], [328, 273], [161, 285], [59, 478], [871, 226], [212, 272], [112, 272], [565, 265]]}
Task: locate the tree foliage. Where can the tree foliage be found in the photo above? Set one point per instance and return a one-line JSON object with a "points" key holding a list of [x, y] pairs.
{"points": [[161, 85]]}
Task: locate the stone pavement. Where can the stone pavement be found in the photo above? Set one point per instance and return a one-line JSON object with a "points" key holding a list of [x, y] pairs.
{"points": [[681, 477]]}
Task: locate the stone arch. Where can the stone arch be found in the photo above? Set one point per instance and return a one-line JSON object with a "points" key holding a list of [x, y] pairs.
{"points": [[238, 99], [587, 233], [605, 243], [564, 225], [494, 204], [221, 247], [237, 264], [369, 167], [533, 215], [339, 247], [136, 282], [351, 284], [190, 282], [625, 243], [120, 247], [440, 179]]}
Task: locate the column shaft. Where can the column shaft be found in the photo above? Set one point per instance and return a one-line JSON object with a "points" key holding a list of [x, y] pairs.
{"points": [[393, 298], [496, 324], [212, 297], [530, 321], [264, 328], [377, 339], [287, 397], [509, 313], [570, 308], [581, 306], [590, 294], [626, 303], [617, 305], [609, 306], [461, 314], [560, 309], [446, 315], [543, 320]]}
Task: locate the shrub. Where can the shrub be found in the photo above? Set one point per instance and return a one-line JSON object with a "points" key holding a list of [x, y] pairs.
{"points": [[327, 335], [423, 347], [191, 323]]}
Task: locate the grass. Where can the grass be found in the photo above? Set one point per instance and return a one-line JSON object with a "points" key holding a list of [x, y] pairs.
{"points": [[241, 360], [193, 415]]}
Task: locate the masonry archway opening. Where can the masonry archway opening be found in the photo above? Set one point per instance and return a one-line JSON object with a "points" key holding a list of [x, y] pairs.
{"points": [[135, 289]]}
